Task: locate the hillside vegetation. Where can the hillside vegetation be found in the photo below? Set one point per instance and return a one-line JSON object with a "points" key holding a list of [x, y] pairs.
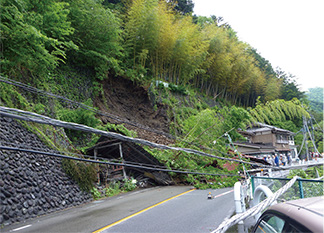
{"points": [[187, 78], [315, 97], [142, 40]]}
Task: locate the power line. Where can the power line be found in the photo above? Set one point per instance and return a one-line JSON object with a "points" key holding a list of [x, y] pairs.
{"points": [[109, 163], [42, 92], [33, 117], [27, 147], [86, 107]]}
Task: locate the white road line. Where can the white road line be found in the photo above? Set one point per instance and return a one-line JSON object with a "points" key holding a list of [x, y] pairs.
{"points": [[222, 194], [20, 228]]}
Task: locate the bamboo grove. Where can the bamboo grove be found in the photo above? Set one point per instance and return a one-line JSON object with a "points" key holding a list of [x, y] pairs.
{"points": [[144, 40]]}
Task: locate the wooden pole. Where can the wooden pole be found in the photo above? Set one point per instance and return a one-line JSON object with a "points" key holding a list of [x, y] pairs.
{"points": [[95, 153], [121, 155]]}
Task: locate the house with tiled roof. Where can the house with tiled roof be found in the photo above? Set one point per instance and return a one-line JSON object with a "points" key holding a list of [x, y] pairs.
{"points": [[263, 139]]}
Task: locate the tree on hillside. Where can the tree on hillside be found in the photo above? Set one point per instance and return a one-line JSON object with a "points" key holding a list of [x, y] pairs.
{"points": [[230, 71], [315, 97], [171, 47], [116, 5], [34, 35], [278, 110], [262, 63], [210, 125], [140, 36], [98, 35], [183, 6], [202, 21], [272, 89], [315, 94], [289, 89]]}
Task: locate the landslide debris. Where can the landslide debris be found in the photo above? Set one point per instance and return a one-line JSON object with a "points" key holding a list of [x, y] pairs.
{"points": [[122, 98]]}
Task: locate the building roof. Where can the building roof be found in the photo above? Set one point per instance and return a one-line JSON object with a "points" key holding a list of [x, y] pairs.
{"points": [[261, 127], [254, 148], [254, 145]]}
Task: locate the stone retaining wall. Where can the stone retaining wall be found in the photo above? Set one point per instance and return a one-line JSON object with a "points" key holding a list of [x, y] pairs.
{"points": [[30, 184]]}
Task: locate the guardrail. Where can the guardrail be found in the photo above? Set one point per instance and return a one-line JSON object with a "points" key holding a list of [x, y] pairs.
{"points": [[259, 189], [299, 182], [227, 223]]}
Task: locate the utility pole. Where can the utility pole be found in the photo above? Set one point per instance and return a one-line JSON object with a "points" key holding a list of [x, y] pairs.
{"points": [[312, 135], [121, 155], [305, 136]]}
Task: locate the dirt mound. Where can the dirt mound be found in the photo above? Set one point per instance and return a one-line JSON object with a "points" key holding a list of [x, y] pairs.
{"points": [[131, 103]]}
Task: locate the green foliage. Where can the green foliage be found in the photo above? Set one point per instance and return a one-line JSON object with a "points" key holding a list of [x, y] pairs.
{"points": [[183, 6], [97, 34], [315, 94], [209, 125], [234, 118], [79, 116], [140, 28], [178, 89], [181, 160], [315, 97], [278, 110], [298, 172], [262, 63], [143, 40], [83, 173], [129, 184], [310, 189], [95, 193], [289, 89], [34, 36], [10, 97], [309, 173], [118, 129], [112, 190], [216, 183], [318, 135], [39, 108]]}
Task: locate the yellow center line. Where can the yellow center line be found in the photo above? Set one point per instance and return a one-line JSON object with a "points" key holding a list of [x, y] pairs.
{"points": [[139, 212]]}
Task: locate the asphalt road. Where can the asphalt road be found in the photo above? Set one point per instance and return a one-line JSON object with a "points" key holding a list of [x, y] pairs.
{"points": [[188, 212]]}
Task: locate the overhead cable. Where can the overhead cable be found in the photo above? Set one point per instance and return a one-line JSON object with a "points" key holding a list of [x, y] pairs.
{"points": [[110, 163], [27, 147], [84, 106], [227, 223], [33, 117], [89, 108]]}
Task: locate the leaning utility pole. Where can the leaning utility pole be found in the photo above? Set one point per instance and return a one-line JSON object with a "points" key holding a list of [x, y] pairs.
{"points": [[305, 136]]}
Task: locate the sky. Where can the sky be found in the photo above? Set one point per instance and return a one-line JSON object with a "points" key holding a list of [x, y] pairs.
{"points": [[287, 33]]}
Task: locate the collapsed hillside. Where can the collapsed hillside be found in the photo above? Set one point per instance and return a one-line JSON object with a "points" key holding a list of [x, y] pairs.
{"points": [[132, 105]]}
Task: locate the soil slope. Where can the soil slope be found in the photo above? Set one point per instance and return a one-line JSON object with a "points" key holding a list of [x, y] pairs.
{"points": [[132, 106]]}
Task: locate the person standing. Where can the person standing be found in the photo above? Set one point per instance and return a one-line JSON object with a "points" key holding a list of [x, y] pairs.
{"points": [[284, 160], [276, 160], [289, 159], [273, 160]]}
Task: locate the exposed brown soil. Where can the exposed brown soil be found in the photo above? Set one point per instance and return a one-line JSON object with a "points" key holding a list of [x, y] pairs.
{"points": [[131, 104]]}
